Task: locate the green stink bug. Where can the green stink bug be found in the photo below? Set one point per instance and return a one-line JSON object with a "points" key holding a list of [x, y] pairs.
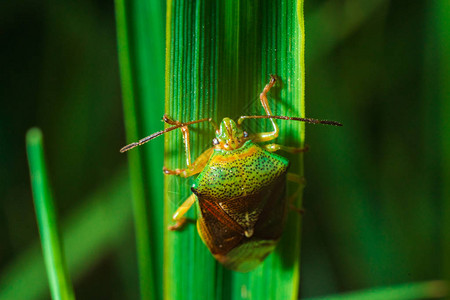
{"points": [[240, 187]]}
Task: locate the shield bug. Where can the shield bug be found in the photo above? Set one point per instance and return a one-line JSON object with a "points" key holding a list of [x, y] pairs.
{"points": [[240, 187]]}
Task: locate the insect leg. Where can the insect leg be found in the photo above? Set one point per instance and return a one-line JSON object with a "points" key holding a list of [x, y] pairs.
{"points": [[199, 163], [196, 167], [265, 136], [186, 140], [300, 180], [178, 216], [276, 147]]}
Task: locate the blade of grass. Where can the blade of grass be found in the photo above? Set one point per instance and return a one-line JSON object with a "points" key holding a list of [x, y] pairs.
{"points": [[85, 247], [219, 57], [383, 212], [141, 40], [53, 249], [190, 94], [421, 290], [439, 20], [282, 53]]}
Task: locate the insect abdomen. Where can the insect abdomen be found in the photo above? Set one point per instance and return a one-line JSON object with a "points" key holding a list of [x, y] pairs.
{"points": [[242, 244], [241, 194]]}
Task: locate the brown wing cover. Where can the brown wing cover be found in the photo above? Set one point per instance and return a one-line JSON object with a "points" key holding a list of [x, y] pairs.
{"points": [[220, 230], [271, 221]]}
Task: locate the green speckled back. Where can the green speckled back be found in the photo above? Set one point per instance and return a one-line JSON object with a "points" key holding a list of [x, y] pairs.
{"points": [[238, 173]]}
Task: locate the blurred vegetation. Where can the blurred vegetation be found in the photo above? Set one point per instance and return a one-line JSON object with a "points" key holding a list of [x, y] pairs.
{"points": [[52, 247], [377, 207], [219, 57]]}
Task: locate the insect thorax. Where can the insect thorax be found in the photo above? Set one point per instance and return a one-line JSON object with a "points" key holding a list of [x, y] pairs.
{"points": [[241, 172]]}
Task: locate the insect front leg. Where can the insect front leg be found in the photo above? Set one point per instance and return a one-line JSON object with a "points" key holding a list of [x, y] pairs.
{"points": [[276, 147], [178, 216], [265, 136], [300, 180], [196, 167], [199, 163], [186, 140]]}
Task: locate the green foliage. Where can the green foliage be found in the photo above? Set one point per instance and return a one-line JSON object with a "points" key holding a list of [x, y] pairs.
{"points": [[52, 248], [89, 234], [439, 89], [411, 291], [141, 42], [219, 57], [376, 199]]}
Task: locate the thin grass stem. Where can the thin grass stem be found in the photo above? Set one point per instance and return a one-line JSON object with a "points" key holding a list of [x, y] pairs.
{"points": [[435, 289], [52, 247]]}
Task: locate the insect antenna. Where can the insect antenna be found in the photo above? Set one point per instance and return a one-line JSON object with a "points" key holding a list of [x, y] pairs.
{"points": [[156, 134], [306, 120]]}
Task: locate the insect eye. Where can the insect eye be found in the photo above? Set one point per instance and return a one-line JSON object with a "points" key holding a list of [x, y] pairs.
{"points": [[215, 141], [245, 134]]}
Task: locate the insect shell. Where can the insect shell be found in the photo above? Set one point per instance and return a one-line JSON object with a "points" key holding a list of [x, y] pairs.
{"points": [[240, 187], [242, 198]]}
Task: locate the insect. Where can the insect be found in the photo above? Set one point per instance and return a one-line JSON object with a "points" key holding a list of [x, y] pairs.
{"points": [[240, 187]]}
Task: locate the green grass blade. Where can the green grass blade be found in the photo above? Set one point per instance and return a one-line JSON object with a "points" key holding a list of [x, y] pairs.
{"points": [[219, 57], [85, 247], [439, 22], [283, 55], [189, 271], [141, 48], [53, 250], [421, 290]]}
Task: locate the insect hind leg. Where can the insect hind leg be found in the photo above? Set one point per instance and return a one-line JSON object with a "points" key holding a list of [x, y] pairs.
{"points": [[178, 216], [300, 180]]}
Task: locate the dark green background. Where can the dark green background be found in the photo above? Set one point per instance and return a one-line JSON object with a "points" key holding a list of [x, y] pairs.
{"points": [[374, 198]]}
